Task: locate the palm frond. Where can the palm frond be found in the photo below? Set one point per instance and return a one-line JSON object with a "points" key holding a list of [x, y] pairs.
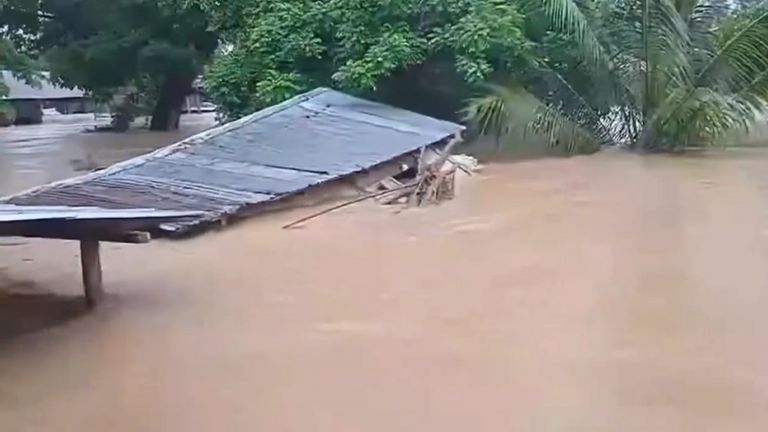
{"points": [[757, 91], [707, 117], [703, 21], [513, 111], [670, 46], [567, 17], [602, 70], [742, 54], [492, 114], [663, 74], [561, 131], [582, 111]]}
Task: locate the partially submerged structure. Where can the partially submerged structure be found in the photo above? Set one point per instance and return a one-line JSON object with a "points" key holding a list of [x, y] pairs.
{"points": [[29, 100], [89, 225], [312, 139]]}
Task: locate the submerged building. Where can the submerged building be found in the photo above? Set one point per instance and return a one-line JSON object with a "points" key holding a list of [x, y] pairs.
{"points": [[29, 101]]}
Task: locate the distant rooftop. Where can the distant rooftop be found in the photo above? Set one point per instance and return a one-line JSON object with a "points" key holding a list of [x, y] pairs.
{"points": [[20, 90]]}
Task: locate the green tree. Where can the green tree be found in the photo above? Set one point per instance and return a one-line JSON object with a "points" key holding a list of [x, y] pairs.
{"points": [[156, 47], [12, 59], [655, 75], [15, 62], [275, 49]]}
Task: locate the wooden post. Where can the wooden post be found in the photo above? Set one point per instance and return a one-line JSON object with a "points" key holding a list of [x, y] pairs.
{"points": [[91, 263]]}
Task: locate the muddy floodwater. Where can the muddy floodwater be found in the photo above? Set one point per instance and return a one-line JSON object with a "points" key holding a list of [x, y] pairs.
{"points": [[605, 293], [57, 149]]}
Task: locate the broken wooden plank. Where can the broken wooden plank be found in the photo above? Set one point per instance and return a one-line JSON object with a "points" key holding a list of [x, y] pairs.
{"points": [[388, 184]]}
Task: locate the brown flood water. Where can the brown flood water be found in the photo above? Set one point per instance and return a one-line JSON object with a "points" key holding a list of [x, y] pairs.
{"points": [[57, 149], [606, 293]]}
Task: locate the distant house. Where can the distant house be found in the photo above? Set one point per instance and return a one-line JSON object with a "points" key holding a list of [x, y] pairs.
{"points": [[29, 101]]}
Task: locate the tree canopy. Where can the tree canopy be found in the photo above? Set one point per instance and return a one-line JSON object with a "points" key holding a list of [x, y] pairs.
{"points": [[156, 47], [649, 74], [277, 48], [15, 62], [13, 59]]}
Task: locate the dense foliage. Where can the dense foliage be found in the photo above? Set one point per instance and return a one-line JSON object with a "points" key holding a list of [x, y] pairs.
{"points": [[15, 62], [11, 58], [153, 47], [649, 74], [277, 48]]}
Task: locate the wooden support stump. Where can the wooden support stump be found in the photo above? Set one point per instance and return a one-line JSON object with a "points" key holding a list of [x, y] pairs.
{"points": [[91, 263]]}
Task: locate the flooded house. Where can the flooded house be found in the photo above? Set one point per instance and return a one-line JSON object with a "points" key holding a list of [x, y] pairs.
{"points": [[29, 101], [254, 165]]}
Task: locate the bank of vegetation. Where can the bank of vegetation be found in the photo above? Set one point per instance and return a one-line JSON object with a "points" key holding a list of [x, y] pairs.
{"points": [[652, 75]]}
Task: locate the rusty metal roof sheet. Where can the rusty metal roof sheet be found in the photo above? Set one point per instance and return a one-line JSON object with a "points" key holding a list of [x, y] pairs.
{"points": [[313, 138]]}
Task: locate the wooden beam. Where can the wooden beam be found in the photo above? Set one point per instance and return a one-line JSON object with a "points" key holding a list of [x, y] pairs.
{"points": [[91, 266], [118, 231], [132, 237]]}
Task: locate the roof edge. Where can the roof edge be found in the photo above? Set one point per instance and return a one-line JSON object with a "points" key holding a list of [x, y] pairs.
{"points": [[173, 148], [189, 142]]}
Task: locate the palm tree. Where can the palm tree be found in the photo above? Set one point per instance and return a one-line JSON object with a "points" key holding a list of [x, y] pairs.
{"points": [[654, 75]]}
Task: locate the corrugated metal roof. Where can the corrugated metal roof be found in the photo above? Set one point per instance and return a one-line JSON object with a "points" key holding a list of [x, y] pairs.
{"points": [[313, 138], [18, 89], [15, 213]]}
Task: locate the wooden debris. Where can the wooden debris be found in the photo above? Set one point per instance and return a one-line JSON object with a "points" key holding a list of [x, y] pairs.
{"points": [[341, 206], [434, 183], [388, 184]]}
